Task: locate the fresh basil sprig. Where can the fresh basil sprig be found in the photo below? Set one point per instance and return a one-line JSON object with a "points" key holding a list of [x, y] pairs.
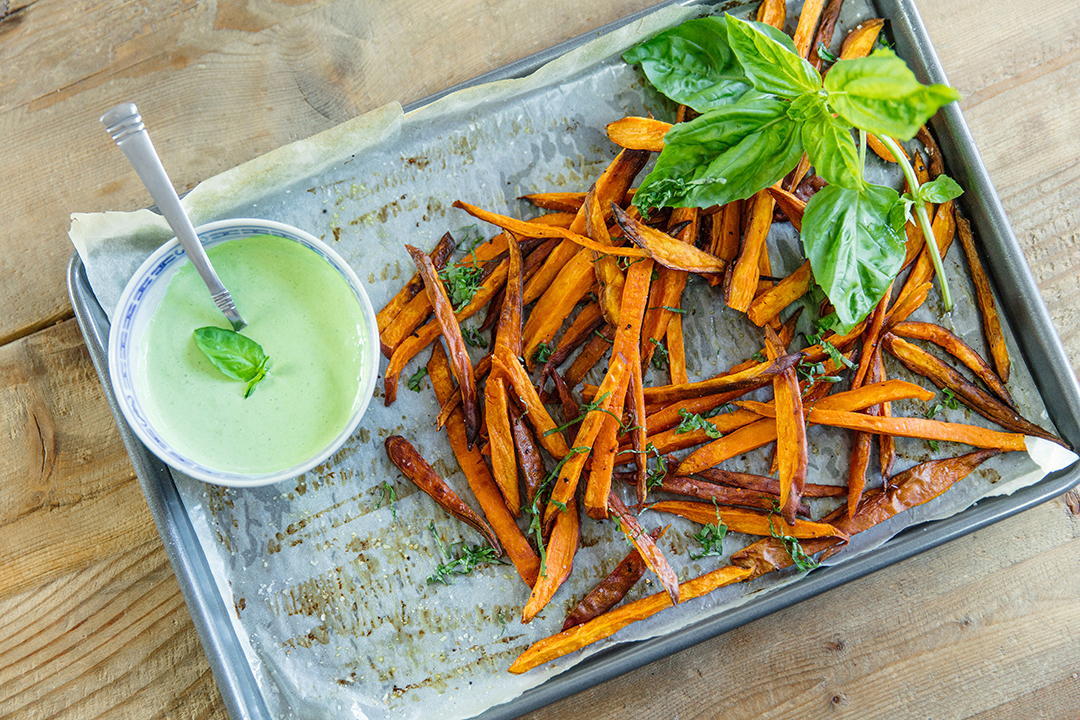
{"points": [[236, 355], [747, 140]]}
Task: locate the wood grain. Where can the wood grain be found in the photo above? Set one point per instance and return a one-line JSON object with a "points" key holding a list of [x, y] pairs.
{"points": [[91, 620]]}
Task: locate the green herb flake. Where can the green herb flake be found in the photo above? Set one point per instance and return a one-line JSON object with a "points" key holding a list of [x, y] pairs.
{"points": [[413, 383], [693, 421], [468, 560], [462, 282], [237, 356], [711, 538], [802, 561], [948, 400], [660, 355], [388, 494], [543, 352], [474, 338]]}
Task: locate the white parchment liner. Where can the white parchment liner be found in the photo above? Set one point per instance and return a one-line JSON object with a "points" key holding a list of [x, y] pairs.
{"points": [[327, 577]]}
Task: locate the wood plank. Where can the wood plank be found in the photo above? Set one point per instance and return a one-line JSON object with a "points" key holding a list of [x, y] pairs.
{"points": [[68, 494], [955, 628], [307, 68], [112, 641]]}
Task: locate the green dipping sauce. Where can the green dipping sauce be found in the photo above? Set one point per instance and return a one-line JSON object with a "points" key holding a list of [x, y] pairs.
{"points": [[309, 322]]}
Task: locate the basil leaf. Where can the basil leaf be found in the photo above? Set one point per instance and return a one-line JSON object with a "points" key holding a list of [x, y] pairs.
{"points": [[855, 246], [726, 154], [881, 95], [771, 66], [237, 356], [828, 142], [941, 189], [692, 64]]}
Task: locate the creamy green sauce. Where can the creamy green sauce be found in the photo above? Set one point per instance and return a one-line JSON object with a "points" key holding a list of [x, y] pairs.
{"points": [[308, 321]]}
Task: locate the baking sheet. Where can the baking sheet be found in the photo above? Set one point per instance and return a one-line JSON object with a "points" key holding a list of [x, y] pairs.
{"points": [[325, 509]]}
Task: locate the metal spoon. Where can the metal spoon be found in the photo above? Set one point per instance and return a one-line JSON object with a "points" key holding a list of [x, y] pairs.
{"points": [[126, 127]]}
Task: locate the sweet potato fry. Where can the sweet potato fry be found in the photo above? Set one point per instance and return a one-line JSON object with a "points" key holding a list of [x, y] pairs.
{"points": [[725, 234], [861, 40], [650, 553], [589, 319], [791, 447], [528, 453], [772, 12], [612, 621], [722, 494], [479, 477], [750, 522], [757, 376], [984, 297], [501, 442], [671, 440], [960, 350], [665, 249], [886, 443], [944, 227], [460, 363], [943, 375], [611, 589], [638, 133], [605, 266], [880, 150], [741, 283], [767, 306], [808, 21], [596, 348], [558, 561], [764, 484], [792, 206], [598, 485], [639, 432], [483, 367], [439, 255], [413, 466], [547, 431], [561, 202], [414, 344], [825, 31], [919, 428], [937, 162], [676, 351], [508, 335]]}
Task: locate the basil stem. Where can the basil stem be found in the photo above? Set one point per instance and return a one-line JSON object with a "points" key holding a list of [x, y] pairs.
{"points": [[923, 217]]}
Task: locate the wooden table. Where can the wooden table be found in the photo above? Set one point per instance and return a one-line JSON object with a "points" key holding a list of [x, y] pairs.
{"points": [[92, 623]]}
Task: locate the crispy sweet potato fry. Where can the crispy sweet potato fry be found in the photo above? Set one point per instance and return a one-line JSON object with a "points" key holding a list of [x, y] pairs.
{"points": [[638, 133], [598, 485], [825, 31], [672, 440], [808, 21], [501, 442], [612, 621], [479, 478], [547, 431], [408, 460], [722, 494], [596, 348], [439, 255], [639, 430], [984, 297], [741, 283], [791, 447], [558, 562], [772, 12], [414, 344], [943, 375], [861, 40], [919, 428], [956, 347], [665, 249], [650, 553], [767, 306], [742, 520], [460, 363], [757, 376], [676, 351], [611, 589], [605, 266], [764, 484], [528, 452], [792, 206], [937, 162], [944, 227]]}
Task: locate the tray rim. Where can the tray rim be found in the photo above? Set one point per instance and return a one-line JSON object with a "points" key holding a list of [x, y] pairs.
{"points": [[1012, 280]]}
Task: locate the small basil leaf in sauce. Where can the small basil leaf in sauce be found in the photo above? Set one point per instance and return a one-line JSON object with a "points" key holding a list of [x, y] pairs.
{"points": [[237, 356]]}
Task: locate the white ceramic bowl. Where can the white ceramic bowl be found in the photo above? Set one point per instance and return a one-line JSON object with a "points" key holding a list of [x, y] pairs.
{"points": [[140, 300]]}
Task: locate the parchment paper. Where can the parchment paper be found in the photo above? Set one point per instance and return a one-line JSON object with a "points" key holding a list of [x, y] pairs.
{"points": [[327, 575]]}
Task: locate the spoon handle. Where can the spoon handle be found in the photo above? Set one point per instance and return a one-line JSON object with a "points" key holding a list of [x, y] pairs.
{"points": [[126, 127]]}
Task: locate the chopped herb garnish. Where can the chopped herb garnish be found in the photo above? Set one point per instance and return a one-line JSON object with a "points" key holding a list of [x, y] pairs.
{"points": [[948, 400], [469, 559], [673, 309], [601, 335], [694, 421], [759, 356], [462, 282], [413, 382], [824, 54], [543, 352], [584, 410], [711, 538], [798, 556], [656, 476], [660, 355], [536, 512], [387, 494], [474, 338], [839, 359]]}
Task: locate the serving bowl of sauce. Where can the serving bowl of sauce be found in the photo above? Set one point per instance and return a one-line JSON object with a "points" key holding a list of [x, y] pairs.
{"points": [[304, 306]]}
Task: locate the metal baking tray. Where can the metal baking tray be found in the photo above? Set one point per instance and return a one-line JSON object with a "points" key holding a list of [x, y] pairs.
{"points": [[1020, 302]]}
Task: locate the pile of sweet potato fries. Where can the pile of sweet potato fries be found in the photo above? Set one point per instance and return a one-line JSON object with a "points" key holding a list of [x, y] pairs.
{"points": [[592, 263]]}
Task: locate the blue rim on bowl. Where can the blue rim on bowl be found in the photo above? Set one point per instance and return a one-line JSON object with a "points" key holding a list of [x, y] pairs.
{"points": [[137, 305]]}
